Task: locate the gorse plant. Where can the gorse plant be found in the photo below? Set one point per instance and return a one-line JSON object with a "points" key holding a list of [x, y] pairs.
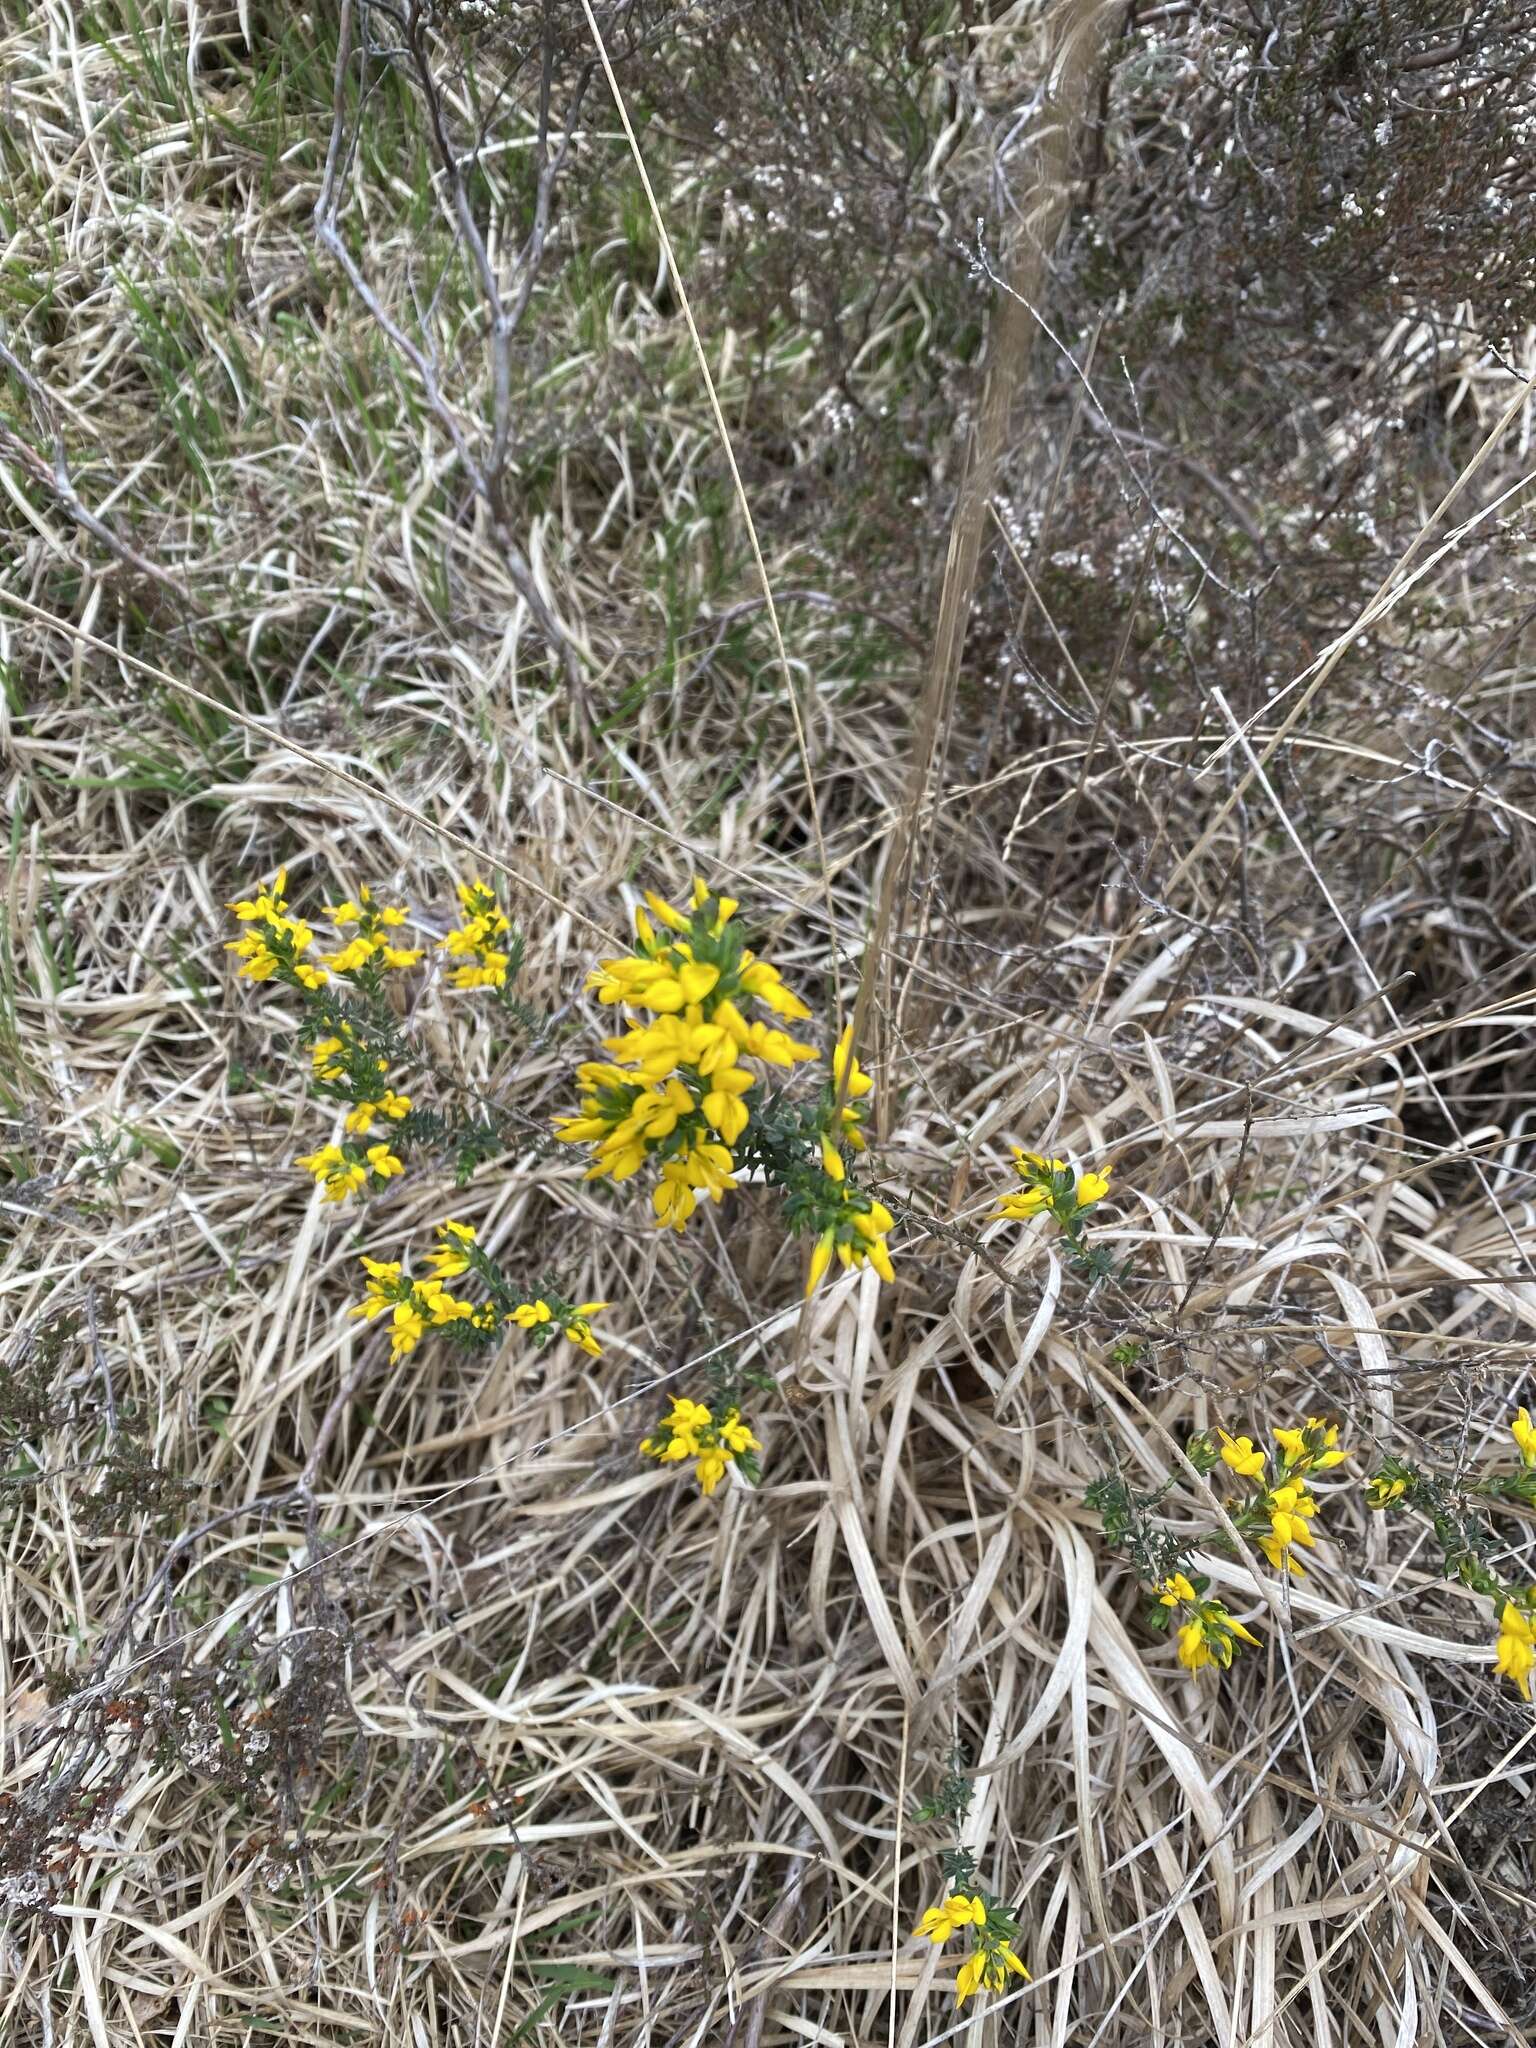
{"points": [[1469, 1545], [415, 1306], [991, 1927], [706, 1090], [1276, 1502], [355, 1043], [352, 1027], [714, 1434], [684, 1094], [1279, 1504], [1055, 1188]]}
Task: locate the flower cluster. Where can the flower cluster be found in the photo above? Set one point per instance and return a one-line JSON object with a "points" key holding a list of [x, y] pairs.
{"points": [[348, 1067], [1051, 1184], [1056, 1188], [347, 1064], [851, 1086], [1210, 1635], [415, 1306], [856, 1235], [1281, 1500], [275, 943], [993, 1931], [965, 1907], [692, 1431], [674, 1091], [371, 942], [351, 1024], [343, 1170], [1276, 1514], [1469, 1544], [482, 942], [682, 1091]]}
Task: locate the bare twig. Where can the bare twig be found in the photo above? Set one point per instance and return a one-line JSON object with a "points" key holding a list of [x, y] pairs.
{"points": [[484, 473]]}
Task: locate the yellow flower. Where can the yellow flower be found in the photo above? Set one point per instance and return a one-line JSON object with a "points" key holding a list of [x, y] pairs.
{"points": [[369, 943], [1036, 1170], [968, 1976], [406, 1326], [844, 1061], [940, 1922], [766, 985], [862, 1237], [663, 911], [1026, 1163], [821, 1258], [489, 972], [440, 1306], [734, 1433], [690, 1431], [1312, 1447], [1000, 1960], [724, 1110], [775, 1048], [354, 954], [335, 1171], [1381, 1491], [578, 1328], [383, 1278], [703, 1044], [384, 1162], [1515, 1652], [1177, 1589], [1523, 1430], [323, 1053], [711, 1469], [1211, 1637], [708, 1168], [1025, 1203], [1290, 1509], [450, 1257], [1236, 1628], [280, 940], [485, 963], [1239, 1453], [672, 1198], [263, 956], [529, 1314], [643, 984], [267, 904], [1194, 1650], [360, 1117]]}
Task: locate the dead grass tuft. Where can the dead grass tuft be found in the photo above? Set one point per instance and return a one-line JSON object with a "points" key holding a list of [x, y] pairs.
{"points": [[352, 1701]]}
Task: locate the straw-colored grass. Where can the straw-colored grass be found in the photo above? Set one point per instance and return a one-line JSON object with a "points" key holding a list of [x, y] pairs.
{"points": [[351, 1702]]}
